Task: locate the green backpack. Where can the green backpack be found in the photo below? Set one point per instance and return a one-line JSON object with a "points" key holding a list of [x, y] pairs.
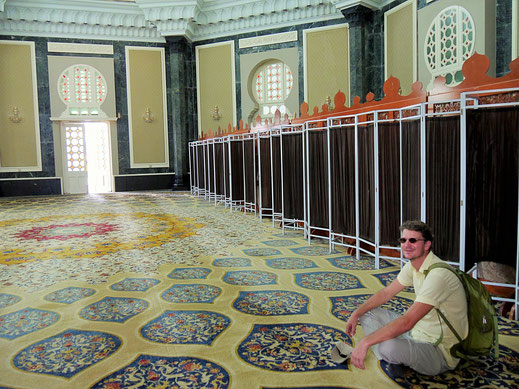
{"points": [[483, 330]]}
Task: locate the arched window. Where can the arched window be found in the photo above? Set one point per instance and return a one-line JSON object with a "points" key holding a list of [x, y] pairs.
{"points": [[450, 40], [272, 83], [83, 89]]}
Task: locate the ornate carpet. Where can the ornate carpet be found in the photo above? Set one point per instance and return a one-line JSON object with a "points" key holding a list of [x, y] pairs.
{"points": [[164, 290]]}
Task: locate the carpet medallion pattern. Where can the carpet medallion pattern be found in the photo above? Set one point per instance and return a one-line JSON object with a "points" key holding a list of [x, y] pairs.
{"points": [[25, 321], [232, 262], [280, 243], [290, 263], [69, 295], [134, 284], [68, 353], [363, 263], [8, 299], [387, 278], [271, 303], [343, 306], [249, 278], [116, 309], [187, 273], [150, 371], [191, 293], [328, 281], [294, 347], [314, 251], [261, 252], [186, 327]]}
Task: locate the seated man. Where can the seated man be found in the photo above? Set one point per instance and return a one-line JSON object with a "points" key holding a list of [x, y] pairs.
{"points": [[410, 339]]}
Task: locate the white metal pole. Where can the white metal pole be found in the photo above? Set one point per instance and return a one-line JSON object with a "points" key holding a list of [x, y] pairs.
{"points": [[463, 178], [377, 191]]}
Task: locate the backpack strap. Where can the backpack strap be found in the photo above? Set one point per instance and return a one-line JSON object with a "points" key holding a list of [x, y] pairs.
{"points": [[439, 313]]}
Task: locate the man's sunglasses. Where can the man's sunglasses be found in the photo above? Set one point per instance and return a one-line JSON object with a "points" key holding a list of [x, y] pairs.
{"points": [[411, 240]]}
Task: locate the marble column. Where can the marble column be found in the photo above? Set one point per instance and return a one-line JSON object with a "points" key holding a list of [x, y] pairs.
{"points": [[182, 105]]}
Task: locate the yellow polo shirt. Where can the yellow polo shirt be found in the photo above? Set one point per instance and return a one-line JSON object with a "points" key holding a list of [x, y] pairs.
{"points": [[441, 289]]}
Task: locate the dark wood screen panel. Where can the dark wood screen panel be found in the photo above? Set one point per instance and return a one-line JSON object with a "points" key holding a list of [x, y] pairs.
{"points": [[293, 200], [210, 168], [220, 172], [366, 183], [227, 181], [442, 184], [237, 170], [491, 215], [411, 171], [250, 176], [342, 159], [200, 149], [318, 178], [266, 189], [276, 167]]}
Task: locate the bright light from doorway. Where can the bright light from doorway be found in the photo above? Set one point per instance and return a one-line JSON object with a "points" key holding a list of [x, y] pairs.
{"points": [[97, 141]]}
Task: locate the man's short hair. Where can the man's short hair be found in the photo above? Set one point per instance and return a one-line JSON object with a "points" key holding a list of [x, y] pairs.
{"points": [[418, 226]]}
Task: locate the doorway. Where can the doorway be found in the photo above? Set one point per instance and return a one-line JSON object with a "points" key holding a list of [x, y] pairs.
{"points": [[87, 157]]}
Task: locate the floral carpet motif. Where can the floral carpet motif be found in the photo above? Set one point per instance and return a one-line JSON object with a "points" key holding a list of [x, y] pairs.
{"points": [[191, 293], [8, 299], [232, 262], [68, 353], [294, 347], [250, 277], [326, 280], [134, 284], [25, 321], [314, 251], [167, 372], [272, 303], [189, 273], [185, 327], [261, 252], [507, 326], [343, 306], [290, 263], [66, 231], [279, 243], [67, 240], [363, 263], [69, 295], [117, 309], [482, 373], [387, 278]]}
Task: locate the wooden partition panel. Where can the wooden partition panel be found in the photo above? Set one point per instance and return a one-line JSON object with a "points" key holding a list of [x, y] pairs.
{"points": [[220, 172], [492, 182], [443, 184], [250, 170], [200, 151], [342, 159], [366, 183], [389, 181], [227, 167], [265, 173], [318, 201], [276, 167], [411, 170], [293, 190], [237, 170]]}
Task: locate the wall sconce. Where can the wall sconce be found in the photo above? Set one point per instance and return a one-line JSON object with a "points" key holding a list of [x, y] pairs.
{"points": [[147, 116], [216, 114], [15, 117], [328, 102]]}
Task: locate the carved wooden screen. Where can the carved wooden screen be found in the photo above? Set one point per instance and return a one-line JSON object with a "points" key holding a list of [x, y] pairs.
{"points": [[318, 178], [342, 159], [492, 182]]}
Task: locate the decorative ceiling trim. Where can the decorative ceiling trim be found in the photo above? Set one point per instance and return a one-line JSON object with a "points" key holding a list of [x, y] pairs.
{"points": [[153, 20]]}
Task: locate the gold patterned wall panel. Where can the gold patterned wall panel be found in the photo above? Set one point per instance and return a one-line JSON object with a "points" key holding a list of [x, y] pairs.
{"points": [[327, 68], [216, 85], [146, 80], [19, 123], [400, 44]]}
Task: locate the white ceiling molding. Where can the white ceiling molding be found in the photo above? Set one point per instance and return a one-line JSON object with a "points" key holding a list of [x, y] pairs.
{"points": [[153, 20], [371, 4]]}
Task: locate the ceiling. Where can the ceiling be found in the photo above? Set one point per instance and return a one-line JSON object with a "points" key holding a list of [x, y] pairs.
{"points": [[153, 20]]}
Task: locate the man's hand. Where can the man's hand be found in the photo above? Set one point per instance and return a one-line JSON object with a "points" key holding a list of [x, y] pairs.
{"points": [[351, 324], [359, 354]]}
